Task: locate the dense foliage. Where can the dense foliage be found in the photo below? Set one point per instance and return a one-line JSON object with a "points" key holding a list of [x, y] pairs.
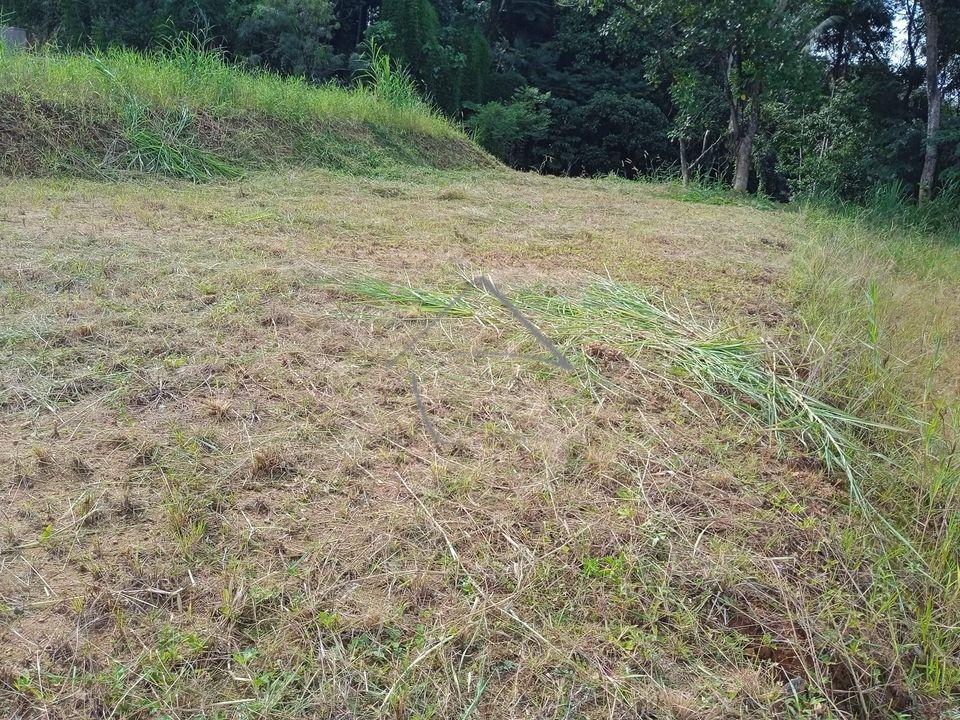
{"points": [[827, 98]]}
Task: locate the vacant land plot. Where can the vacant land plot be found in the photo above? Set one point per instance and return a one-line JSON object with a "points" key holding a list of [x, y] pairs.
{"points": [[247, 472]]}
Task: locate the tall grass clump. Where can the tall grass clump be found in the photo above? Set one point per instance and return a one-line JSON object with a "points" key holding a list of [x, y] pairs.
{"points": [[162, 142], [390, 81], [890, 208], [161, 145], [878, 295]]}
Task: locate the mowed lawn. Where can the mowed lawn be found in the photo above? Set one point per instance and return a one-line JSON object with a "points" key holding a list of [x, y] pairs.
{"points": [[223, 495]]}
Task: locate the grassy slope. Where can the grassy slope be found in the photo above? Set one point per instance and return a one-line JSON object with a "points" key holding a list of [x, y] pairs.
{"points": [[221, 490], [189, 114], [224, 497]]}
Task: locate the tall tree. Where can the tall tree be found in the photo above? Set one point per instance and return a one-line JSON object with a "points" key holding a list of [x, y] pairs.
{"points": [[414, 28], [290, 36], [931, 20], [749, 47]]}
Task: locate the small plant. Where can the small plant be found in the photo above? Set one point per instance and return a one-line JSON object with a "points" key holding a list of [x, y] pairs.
{"points": [[270, 464], [388, 79]]}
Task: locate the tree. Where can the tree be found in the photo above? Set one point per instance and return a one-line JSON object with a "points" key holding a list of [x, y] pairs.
{"points": [[477, 61], [941, 20], [290, 36], [40, 17], [860, 32], [410, 32], [931, 18], [746, 47], [762, 40], [697, 104], [413, 28], [606, 116]]}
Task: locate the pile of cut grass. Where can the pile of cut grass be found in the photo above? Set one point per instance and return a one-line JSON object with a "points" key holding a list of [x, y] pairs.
{"points": [[188, 113], [736, 372]]}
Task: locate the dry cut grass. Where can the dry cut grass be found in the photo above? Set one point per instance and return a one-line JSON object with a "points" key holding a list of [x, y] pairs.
{"points": [[221, 498]]}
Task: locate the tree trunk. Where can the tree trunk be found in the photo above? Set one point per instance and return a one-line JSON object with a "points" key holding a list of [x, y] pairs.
{"points": [[684, 163], [839, 62], [741, 177], [742, 133], [934, 97]]}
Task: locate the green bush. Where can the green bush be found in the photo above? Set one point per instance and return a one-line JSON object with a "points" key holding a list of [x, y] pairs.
{"points": [[609, 130], [505, 129], [824, 153]]}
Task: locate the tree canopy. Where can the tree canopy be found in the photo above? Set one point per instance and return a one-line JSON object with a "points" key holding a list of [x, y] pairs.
{"points": [[829, 97]]}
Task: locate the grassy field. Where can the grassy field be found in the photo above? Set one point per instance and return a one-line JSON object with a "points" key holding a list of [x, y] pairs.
{"points": [[267, 453], [308, 408]]}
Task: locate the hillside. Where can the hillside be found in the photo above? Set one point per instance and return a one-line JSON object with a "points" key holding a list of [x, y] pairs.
{"points": [[309, 408], [245, 478], [188, 114]]}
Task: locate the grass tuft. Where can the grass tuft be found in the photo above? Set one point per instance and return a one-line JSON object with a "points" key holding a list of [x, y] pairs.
{"points": [[159, 146]]}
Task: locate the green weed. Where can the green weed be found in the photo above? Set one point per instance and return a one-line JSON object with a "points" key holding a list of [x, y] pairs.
{"points": [[160, 146]]}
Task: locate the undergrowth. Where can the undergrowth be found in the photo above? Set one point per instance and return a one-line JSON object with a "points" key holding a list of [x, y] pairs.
{"points": [[889, 209], [709, 192], [877, 294]]}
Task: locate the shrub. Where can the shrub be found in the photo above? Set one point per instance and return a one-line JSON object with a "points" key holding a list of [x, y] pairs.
{"points": [[505, 129], [822, 153], [610, 130]]}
